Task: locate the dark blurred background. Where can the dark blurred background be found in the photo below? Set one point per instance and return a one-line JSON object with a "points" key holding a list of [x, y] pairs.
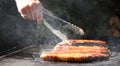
{"points": [[91, 15], [98, 18]]}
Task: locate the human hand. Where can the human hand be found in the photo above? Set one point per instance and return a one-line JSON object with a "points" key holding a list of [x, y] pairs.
{"points": [[30, 9]]}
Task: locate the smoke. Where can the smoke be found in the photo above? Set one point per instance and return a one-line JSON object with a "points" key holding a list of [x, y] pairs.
{"points": [[90, 15], [15, 31]]}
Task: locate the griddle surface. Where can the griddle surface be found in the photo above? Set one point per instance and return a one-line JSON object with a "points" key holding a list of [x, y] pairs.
{"points": [[25, 58]]}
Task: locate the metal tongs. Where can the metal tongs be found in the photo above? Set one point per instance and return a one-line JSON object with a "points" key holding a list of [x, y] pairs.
{"points": [[58, 33]]}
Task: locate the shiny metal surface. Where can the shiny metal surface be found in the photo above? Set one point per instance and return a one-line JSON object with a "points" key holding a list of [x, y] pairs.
{"points": [[56, 32], [61, 26], [72, 26]]}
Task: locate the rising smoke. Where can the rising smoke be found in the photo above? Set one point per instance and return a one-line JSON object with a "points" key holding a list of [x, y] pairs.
{"points": [[90, 15]]}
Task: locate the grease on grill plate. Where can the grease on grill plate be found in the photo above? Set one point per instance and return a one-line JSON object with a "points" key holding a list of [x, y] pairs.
{"points": [[77, 51]]}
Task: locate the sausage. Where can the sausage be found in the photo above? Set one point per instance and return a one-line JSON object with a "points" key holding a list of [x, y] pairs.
{"points": [[66, 51]]}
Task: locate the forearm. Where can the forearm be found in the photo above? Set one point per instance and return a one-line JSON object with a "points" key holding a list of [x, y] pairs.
{"points": [[28, 2], [25, 0]]}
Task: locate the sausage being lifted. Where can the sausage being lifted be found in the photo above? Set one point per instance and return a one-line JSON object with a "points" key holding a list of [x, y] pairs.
{"points": [[77, 51]]}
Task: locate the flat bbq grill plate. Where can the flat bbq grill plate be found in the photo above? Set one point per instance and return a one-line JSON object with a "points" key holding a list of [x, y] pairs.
{"points": [[25, 58]]}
